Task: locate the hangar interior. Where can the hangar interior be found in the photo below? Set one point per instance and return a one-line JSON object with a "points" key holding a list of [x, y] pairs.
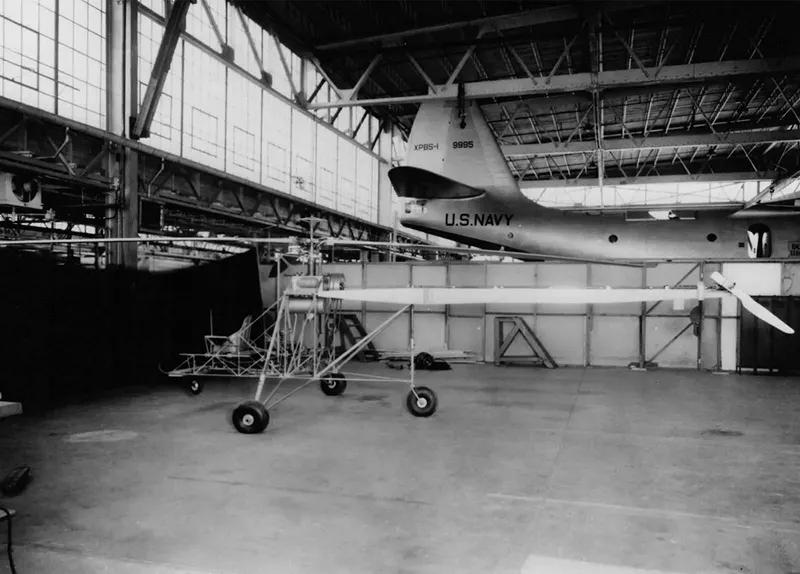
{"points": [[164, 167]]}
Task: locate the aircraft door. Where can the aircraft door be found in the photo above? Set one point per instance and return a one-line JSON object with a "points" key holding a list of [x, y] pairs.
{"points": [[759, 241]]}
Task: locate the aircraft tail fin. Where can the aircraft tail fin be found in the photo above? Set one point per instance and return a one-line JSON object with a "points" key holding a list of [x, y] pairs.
{"points": [[462, 150]]}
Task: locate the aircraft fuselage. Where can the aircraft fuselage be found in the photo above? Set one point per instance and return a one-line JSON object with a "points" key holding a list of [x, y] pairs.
{"points": [[523, 225]]}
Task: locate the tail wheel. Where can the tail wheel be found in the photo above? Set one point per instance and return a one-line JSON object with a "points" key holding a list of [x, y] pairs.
{"points": [[421, 402], [250, 417], [196, 387], [333, 384]]}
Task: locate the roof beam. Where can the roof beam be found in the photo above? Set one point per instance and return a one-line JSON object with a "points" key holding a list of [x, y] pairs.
{"points": [[776, 191], [566, 83], [654, 142], [683, 178], [504, 22]]}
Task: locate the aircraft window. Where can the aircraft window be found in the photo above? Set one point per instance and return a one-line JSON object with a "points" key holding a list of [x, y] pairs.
{"points": [[759, 241], [511, 236], [711, 237], [612, 238]]}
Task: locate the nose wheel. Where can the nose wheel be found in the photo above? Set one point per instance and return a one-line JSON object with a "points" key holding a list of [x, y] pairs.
{"points": [[250, 417], [421, 401], [195, 387]]}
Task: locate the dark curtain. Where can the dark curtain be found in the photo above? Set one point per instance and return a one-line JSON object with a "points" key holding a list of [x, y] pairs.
{"points": [[68, 331]]}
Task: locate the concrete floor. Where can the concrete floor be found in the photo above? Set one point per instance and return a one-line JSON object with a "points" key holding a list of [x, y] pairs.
{"points": [[522, 470]]}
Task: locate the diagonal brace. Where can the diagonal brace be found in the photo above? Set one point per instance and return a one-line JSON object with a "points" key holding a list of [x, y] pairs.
{"points": [[352, 94], [172, 33]]}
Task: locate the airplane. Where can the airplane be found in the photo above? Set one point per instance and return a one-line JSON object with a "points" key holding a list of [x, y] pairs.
{"points": [[458, 186]]}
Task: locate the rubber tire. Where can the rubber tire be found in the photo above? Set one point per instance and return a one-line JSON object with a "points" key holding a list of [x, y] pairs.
{"points": [[196, 387], [253, 409], [423, 361], [333, 384], [424, 393]]}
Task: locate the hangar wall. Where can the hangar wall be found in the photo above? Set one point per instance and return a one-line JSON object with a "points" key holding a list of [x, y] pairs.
{"points": [[214, 110], [579, 335]]}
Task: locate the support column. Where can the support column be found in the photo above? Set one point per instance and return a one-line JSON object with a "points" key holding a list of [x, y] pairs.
{"points": [[123, 166]]}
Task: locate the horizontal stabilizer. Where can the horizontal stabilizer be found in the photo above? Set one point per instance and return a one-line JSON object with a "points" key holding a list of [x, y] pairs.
{"points": [[422, 184]]}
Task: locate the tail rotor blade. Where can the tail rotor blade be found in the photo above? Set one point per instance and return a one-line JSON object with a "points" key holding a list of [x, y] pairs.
{"points": [[748, 303]]}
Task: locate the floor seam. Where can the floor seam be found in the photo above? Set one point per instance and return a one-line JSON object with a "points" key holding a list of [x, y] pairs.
{"points": [[548, 484]]}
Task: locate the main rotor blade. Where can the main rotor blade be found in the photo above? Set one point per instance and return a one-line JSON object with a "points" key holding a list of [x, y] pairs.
{"points": [[521, 295], [748, 303], [523, 255], [155, 239]]}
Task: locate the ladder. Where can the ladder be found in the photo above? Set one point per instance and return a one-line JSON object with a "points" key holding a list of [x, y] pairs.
{"points": [[352, 331], [502, 343]]}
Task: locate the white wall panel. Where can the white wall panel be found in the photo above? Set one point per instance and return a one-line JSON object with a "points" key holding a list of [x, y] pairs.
{"points": [[562, 337], [81, 60], [682, 352], [395, 336], [244, 132], [346, 177], [728, 350], [276, 139], [710, 344], [327, 168], [385, 196], [364, 191], [466, 334], [375, 190], [429, 329], [614, 341], [203, 108], [303, 156]]}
